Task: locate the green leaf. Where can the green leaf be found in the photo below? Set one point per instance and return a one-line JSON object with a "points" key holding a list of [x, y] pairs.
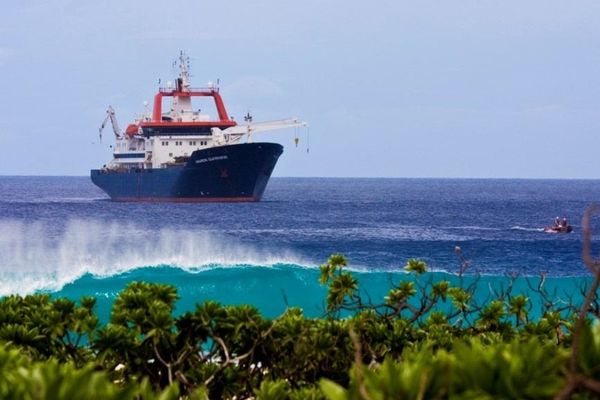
{"points": [[332, 390], [417, 266]]}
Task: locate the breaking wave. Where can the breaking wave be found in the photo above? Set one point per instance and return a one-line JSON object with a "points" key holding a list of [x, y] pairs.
{"points": [[38, 256]]}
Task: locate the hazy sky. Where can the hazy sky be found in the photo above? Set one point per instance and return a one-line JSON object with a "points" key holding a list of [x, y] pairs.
{"points": [[390, 88]]}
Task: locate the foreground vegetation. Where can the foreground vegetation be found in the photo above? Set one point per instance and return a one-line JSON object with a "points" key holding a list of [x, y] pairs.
{"points": [[424, 340]]}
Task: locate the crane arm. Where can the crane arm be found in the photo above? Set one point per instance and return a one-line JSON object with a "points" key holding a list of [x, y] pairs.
{"points": [[110, 115], [264, 126], [235, 133]]}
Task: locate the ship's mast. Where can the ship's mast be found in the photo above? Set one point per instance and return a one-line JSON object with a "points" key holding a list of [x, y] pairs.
{"points": [[184, 74], [182, 102]]}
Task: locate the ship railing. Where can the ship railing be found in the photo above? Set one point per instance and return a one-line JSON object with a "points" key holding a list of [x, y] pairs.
{"points": [[200, 89]]}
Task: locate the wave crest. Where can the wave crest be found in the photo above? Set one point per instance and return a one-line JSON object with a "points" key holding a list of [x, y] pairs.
{"points": [[38, 256]]}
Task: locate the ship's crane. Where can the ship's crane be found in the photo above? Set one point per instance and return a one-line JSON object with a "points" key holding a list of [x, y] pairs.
{"points": [[234, 133], [110, 115]]}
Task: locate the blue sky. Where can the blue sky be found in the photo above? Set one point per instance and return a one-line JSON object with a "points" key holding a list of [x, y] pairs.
{"points": [[390, 88]]}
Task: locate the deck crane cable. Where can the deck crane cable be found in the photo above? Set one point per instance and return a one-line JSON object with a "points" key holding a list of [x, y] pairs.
{"points": [[296, 138], [248, 119]]}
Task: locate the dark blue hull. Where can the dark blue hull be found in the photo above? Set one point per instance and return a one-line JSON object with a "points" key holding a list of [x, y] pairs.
{"points": [[238, 172]]}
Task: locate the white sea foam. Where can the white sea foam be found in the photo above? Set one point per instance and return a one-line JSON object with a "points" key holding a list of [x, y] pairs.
{"points": [[36, 256], [527, 229], [474, 228]]}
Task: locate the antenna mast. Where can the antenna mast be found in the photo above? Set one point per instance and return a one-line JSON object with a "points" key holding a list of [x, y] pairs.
{"points": [[184, 71]]}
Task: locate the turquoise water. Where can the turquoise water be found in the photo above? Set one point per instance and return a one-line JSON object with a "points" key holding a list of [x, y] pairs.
{"points": [[273, 289]]}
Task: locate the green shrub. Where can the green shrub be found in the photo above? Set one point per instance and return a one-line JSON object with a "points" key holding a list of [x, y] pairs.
{"points": [[424, 340]]}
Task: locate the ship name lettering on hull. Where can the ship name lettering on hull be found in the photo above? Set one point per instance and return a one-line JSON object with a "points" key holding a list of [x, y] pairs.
{"points": [[216, 158]]}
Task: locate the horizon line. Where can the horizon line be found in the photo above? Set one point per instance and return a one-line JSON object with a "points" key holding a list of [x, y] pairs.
{"points": [[352, 177]]}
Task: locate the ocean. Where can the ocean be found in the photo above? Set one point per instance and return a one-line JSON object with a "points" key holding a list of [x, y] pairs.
{"points": [[61, 235]]}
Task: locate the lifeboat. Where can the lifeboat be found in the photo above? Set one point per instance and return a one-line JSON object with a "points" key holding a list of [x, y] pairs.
{"points": [[132, 129]]}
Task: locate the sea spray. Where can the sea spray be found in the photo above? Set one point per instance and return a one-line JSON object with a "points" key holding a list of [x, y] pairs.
{"points": [[37, 256]]}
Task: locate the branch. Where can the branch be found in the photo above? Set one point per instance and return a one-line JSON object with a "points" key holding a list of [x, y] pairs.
{"points": [[166, 364], [594, 267], [359, 364], [574, 379]]}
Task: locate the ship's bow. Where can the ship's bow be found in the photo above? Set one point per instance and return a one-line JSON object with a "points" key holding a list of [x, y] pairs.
{"points": [[238, 172]]}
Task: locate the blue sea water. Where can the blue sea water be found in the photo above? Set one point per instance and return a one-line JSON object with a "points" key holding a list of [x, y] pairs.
{"points": [[62, 235]]}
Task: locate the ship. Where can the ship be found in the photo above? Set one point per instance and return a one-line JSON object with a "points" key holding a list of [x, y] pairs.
{"points": [[184, 155]]}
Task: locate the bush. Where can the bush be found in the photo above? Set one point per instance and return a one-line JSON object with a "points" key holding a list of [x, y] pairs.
{"points": [[424, 340]]}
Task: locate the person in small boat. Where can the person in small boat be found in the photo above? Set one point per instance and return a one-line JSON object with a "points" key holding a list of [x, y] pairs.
{"points": [[557, 222], [564, 222]]}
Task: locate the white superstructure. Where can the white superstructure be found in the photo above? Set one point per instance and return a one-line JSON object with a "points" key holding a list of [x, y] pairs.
{"points": [[165, 139]]}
